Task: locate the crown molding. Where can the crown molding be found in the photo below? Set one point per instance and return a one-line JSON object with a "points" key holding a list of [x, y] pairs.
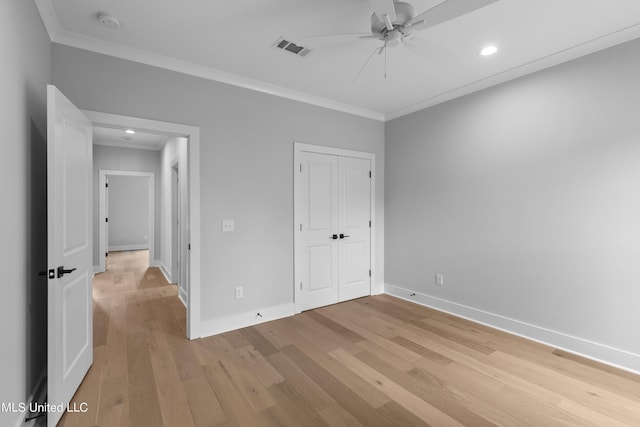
{"points": [[60, 36], [608, 40], [48, 16]]}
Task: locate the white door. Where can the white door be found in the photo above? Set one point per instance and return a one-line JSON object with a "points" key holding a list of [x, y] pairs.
{"points": [[333, 260], [317, 262], [70, 319], [354, 208]]}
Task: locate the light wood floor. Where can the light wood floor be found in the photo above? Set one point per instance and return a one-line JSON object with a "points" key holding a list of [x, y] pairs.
{"points": [[376, 361]]}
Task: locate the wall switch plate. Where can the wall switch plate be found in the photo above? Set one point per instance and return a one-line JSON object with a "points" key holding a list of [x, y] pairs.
{"points": [[228, 225], [239, 292], [439, 279]]}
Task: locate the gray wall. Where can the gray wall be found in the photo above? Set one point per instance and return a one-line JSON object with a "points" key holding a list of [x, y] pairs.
{"points": [[526, 197], [24, 73], [246, 165], [122, 159], [128, 212]]}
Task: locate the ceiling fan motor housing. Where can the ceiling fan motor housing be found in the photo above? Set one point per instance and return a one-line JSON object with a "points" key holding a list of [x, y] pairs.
{"points": [[404, 14]]}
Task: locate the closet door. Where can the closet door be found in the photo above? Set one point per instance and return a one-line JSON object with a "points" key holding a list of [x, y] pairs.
{"points": [[333, 234], [354, 214], [317, 258]]}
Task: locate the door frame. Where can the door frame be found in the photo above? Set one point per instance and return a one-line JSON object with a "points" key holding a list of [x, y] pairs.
{"points": [[102, 204], [192, 134], [298, 149]]}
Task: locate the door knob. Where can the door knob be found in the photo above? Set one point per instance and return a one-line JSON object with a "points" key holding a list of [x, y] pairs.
{"points": [[62, 271], [342, 236], [334, 237]]}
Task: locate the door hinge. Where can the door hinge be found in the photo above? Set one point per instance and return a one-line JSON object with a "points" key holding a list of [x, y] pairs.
{"points": [[300, 167], [189, 246], [369, 223], [369, 174], [106, 185], [369, 273], [106, 220], [106, 254]]}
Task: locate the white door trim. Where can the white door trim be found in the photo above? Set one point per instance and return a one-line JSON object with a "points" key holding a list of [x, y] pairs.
{"points": [[298, 149], [151, 180], [192, 134]]}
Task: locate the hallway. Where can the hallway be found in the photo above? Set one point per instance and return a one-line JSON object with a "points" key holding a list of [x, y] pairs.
{"points": [[137, 312]]}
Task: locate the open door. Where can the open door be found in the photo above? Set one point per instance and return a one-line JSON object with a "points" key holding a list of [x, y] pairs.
{"points": [[70, 317]]}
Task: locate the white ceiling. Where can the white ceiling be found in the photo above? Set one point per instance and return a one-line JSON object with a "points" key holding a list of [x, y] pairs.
{"points": [[119, 138], [231, 41]]}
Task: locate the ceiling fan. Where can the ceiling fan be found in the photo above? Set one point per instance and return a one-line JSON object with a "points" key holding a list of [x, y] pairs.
{"points": [[395, 22]]}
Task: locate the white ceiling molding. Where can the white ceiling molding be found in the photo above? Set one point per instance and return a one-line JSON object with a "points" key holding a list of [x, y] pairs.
{"points": [[618, 37], [57, 35]]}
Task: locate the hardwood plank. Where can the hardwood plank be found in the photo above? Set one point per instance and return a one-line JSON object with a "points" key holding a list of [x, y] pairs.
{"points": [[422, 350], [144, 408], [295, 377], [205, 408], [352, 402], [172, 397], [236, 410], [402, 396], [295, 405], [336, 327], [259, 342], [114, 402], [322, 358], [250, 359], [436, 393]]}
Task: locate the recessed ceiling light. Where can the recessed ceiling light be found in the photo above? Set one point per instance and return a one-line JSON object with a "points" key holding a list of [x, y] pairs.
{"points": [[488, 50], [130, 131]]}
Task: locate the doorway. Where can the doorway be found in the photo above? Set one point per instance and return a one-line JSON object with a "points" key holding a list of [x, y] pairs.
{"points": [[126, 239], [334, 195], [190, 240]]}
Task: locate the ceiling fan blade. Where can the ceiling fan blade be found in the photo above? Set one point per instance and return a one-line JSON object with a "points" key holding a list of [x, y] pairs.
{"points": [[320, 36], [377, 50], [382, 8], [446, 11]]}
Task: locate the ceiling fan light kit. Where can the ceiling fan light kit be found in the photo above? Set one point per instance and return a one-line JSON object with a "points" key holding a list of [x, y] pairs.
{"points": [[395, 22]]}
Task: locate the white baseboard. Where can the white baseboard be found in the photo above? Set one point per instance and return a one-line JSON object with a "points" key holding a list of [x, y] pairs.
{"points": [[138, 247], [599, 352], [242, 320], [182, 294], [97, 269], [163, 269]]}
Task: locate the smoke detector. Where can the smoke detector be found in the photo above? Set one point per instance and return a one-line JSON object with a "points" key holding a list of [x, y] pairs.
{"points": [[108, 21]]}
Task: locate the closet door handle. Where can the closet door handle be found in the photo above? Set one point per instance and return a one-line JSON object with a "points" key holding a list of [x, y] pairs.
{"points": [[342, 236], [334, 237]]}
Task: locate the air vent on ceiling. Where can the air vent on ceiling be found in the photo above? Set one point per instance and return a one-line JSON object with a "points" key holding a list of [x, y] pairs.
{"points": [[289, 46]]}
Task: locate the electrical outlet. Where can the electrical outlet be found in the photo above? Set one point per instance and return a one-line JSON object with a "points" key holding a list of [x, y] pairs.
{"points": [[228, 225], [439, 280], [239, 292]]}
